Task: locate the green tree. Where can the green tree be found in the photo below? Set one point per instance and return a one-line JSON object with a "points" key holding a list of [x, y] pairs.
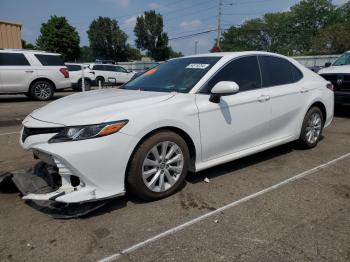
{"points": [[150, 36], [249, 36], [58, 36], [26, 45], [174, 54], [288, 33], [334, 39], [85, 54], [133, 54], [344, 12], [308, 17], [107, 40]]}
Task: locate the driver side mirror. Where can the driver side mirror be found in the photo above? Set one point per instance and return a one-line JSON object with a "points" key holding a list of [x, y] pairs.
{"points": [[223, 88], [328, 64]]}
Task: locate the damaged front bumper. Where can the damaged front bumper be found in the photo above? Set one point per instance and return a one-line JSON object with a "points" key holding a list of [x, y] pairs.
{"points": [[39, 183], [88, 170]]}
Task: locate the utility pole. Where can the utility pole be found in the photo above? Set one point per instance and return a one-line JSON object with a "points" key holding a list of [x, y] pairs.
{"points": [[219, 24], [195, 47]]}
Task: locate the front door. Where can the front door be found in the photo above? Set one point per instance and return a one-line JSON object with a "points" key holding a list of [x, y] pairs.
{"points": [[240, 121]]}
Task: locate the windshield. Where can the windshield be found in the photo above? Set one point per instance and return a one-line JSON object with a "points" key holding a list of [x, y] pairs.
{"points": [[179, 75], [343, 60]]}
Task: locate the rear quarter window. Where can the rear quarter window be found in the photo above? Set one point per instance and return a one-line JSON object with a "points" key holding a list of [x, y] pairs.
{"points": [[50, 60], [13, 59], [73, 68]]}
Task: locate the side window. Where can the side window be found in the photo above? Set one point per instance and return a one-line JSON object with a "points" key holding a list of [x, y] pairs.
{"points": [[297, 74], [120, 69], [98, 68], [73, 68], [276, 71], [110, 68], [13, 59], [244, 71], [50, 60]]}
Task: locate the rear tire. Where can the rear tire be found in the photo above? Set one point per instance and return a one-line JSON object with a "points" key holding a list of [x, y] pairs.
{"points": [[87, 84], [159, 166], [312, 128], [42, 90]]}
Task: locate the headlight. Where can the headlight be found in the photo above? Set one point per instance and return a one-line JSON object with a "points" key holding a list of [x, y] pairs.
{"points": [[76, 133]]}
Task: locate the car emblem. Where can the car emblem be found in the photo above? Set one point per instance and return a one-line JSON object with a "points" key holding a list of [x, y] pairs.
{"points": [[340, 82]]}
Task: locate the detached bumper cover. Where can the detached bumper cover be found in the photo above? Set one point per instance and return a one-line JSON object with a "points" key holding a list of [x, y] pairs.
{"points": [[29, 183], [99, 165]]}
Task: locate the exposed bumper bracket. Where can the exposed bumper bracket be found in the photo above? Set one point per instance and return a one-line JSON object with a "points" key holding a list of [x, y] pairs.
{"points": [[40, 195]]}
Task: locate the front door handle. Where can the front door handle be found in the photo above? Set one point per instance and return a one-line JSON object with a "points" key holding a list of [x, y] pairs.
{"points": [[264, 98], [304, 90]]}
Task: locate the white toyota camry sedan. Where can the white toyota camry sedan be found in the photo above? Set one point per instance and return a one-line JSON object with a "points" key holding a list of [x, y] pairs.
{"points": [[187, 114]]}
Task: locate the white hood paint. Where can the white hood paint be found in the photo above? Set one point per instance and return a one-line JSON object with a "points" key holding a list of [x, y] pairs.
{"points": [[97, 106], [345, 69]]}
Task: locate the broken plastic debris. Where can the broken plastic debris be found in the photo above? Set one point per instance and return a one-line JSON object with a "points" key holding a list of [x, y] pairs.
{"points": [[206, 180]]}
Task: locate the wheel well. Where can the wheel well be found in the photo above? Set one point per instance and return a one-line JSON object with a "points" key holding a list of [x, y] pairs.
{"points": [[180, 132], [100, 77], [85, 79], [42, 79], [321, 106]]}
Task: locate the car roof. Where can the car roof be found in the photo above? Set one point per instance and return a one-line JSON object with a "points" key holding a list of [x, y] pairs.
{"points": [[235, 54], [9, 50]]}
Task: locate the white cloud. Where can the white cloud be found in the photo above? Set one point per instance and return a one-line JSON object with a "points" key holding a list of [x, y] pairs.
{"points": [[191, 24], [340, 2], [130, 22], [154, 5], [121, 3]]}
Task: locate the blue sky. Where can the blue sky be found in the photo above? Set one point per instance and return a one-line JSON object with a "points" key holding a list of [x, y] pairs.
{"points": [[181, 17]]}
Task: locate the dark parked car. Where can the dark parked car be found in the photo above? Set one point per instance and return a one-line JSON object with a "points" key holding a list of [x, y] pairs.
{"points": [[339, 74]]}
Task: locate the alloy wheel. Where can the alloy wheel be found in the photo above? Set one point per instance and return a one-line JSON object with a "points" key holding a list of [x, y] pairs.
{"points": [[314, 128], [162, 166], [42, 91]]}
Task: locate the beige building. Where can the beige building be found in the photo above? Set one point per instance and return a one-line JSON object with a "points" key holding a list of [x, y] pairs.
{"points": [[10, 35]]}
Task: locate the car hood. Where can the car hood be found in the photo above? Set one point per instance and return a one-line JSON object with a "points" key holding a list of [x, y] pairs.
{"points": [[97, 106], [345, 69]]}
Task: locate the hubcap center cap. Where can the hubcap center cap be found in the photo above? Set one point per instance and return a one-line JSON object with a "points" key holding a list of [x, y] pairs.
{"points": [[162, 166]]}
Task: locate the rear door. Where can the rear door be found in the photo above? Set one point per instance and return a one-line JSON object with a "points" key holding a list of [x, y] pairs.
{"points": [[15, 72], [112, 76], [287, 92], [122, 75]]}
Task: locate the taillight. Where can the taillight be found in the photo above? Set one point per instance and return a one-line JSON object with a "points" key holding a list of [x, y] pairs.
{"points": [[64, 72], [330, 86]]}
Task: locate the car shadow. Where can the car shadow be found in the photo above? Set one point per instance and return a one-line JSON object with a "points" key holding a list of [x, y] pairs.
{"points": [[198, 177]]}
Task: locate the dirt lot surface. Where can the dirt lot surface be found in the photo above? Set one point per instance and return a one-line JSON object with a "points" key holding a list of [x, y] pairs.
{"points": [[306, 219]]}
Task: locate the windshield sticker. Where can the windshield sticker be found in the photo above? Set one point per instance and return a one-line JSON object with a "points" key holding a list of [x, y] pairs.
{"points": [[150, 72], [197, 66]]}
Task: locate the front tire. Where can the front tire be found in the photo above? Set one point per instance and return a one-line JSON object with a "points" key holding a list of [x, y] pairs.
{"points": [[42, 90], [312, 128], [159, 166]]}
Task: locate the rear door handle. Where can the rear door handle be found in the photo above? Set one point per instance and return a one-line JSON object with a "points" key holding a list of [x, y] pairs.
{"points": [[29, 71], [264, 98]]}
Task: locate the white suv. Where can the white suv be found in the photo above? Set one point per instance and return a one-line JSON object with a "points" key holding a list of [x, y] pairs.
{"points": [[111, 74], [34, 73], [76, 76]]}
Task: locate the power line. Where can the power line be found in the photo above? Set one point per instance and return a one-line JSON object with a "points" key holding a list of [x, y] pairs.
{"points": [[192, 35]]}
